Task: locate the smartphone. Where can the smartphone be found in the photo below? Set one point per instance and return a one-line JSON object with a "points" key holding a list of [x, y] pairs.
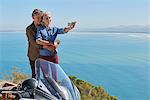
{"points": [[72, 23]]}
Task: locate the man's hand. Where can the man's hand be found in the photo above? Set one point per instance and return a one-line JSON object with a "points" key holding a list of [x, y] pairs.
{"points": [[56, 43], [51, 48], [43, 42]]}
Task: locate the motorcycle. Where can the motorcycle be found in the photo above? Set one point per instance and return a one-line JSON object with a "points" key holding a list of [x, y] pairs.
{"points": [[51, 83]]}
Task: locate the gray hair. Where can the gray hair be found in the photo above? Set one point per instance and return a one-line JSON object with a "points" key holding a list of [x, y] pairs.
{"points": [[36, 12]]}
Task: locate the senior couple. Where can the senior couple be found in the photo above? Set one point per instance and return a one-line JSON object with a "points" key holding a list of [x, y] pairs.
{"points": [[41, 37]]}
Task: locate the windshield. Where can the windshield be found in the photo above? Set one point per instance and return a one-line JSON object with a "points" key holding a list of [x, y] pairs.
{"points": [[47, 70]]}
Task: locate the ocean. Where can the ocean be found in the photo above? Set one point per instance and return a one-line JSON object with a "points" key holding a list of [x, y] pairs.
{"points": [[120, 62]]}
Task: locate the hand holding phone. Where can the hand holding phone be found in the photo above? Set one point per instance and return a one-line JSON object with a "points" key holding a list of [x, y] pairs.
{"points": [[71, 24]]}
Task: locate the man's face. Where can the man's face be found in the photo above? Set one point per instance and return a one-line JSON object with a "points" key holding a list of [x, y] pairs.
{"points": [[37, 19]]}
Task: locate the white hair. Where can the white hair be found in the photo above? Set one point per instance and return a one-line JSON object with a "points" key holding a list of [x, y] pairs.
{"points": [[46, 14]]}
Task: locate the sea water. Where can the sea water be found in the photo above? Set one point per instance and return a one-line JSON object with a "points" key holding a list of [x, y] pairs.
{"points": [[120, 62]]}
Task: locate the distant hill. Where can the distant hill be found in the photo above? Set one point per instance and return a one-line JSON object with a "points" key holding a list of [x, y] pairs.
{"points": [[120, 29], [114, 29], [12, 30]]}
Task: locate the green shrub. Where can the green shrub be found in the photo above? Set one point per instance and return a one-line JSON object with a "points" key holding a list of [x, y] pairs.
{"points": [[90, 92]]}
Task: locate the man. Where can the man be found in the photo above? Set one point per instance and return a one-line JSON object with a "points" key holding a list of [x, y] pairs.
{"points": [[33, 48]]}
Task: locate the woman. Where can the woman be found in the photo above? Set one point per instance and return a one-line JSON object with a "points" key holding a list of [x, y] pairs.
{"points": [[46, 36]]}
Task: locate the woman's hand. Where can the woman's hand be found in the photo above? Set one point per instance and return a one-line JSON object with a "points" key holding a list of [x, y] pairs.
{"points": [[70, 27]]}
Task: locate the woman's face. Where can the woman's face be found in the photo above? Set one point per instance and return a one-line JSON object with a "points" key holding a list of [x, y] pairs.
{"points": [[47, 20]]}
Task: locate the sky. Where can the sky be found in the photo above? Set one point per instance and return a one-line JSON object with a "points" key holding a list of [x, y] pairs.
{"points": [[16, 14]]}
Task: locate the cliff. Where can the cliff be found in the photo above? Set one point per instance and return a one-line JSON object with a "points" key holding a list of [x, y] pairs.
{"points": [[87, 90]]}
